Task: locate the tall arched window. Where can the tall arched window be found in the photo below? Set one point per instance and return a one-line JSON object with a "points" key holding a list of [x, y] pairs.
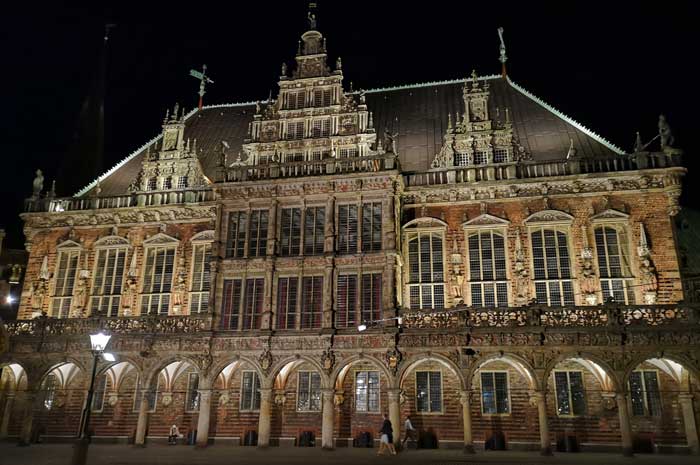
{"points": [[487, 269], [613, 262], [426, 276], [109, 275], [551, 266], [65, 276]]}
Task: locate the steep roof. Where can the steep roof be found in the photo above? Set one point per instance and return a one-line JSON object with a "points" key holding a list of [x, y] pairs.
{"points": [[418, 113]]}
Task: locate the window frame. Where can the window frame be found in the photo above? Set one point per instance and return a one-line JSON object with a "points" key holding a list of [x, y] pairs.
{"points": [[369, 242], [570, 394], [379, 392], [239, 311], [101, 376], [495, 393], [255, 394], [622, 234], [65, 298], [310, 392], [307, 310], [417, 233], [344, 238], [289, 249], [442, 393], [156, 247], [205, 288], [478, 231], [316, 233], [293, 306], [192, 404], [556, 228], [645, 394], [116, 282]]}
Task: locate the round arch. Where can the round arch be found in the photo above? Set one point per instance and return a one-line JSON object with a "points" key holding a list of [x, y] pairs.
{"points": [[44, 372], [219, 367], [672, 364], [413, 362], [284, 368], [338, 374], [598, 367], [18, 373], [516, 362], [153, 373]]}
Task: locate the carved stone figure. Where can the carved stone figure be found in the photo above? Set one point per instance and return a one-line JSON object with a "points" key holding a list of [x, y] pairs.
{"points": [[38, 184], [665, 134], [389, 142], [180, 286], [312, 21], [37, 293]]}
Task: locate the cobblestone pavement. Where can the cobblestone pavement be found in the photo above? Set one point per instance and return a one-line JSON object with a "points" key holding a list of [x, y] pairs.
{"points": [[60, 454]]}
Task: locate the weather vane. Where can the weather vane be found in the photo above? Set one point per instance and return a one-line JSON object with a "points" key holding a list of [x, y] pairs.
{"points": [[203, 81], [502, 58]]}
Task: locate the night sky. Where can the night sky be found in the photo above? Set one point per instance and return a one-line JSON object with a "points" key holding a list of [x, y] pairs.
{"points": [[612, 68]]}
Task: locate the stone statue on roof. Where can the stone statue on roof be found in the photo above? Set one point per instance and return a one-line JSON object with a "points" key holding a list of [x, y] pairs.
{"points": [[389, 141], [38, 184], [665, 133], [312, 21]]}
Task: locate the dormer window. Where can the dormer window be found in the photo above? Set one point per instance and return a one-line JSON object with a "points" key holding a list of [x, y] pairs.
{"points": [[182, 182], [152, 184], [323, 97], [295, 130], [322, 128], [500, 155], [168, 183], [480, 157]]}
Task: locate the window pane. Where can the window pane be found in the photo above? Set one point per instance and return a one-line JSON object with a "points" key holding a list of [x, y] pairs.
{"points": [[562, 390]]}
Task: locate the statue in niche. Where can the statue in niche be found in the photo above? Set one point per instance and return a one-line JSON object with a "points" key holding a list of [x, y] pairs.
{"points": [[665, 133], [649, 280], [180, 287], [38, 184], [389, 141], [37, 293]]}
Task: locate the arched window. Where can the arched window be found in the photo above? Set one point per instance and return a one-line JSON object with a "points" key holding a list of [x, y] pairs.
{"points": [[65, 277], [551, 266], [109, 275], [487, 269], [201, 283], [613, 263], [426, 276]]}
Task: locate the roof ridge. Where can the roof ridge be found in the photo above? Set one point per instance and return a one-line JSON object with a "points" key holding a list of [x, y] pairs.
{"points": [[428, 84], [566, 118]]}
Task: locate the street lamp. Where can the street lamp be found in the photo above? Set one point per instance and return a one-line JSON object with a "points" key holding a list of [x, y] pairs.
{"points": [[98, 343]]}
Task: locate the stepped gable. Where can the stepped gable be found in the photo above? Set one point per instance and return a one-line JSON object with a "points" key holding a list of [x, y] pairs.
{"points": [[418, 113]]}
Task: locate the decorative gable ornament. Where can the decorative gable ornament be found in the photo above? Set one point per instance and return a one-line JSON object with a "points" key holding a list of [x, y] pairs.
{"points": [[609, 215], [549, 216], [160, 239], [112, 240], [485, 219]]}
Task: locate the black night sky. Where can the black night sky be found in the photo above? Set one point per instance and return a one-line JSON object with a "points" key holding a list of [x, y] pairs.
{"points": [[613, 68]]}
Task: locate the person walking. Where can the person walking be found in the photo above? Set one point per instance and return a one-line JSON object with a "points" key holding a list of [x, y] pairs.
{"points": [[387, 438], [410, 432]]}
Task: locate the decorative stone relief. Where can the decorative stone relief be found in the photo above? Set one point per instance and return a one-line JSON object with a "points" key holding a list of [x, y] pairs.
{"points": [[647, 270]]}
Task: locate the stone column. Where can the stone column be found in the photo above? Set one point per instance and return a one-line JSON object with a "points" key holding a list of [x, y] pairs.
{"points": [[327, 318], [7, 412], [539, 398], [395, 412], [203, 418], [625, 427], [329, 228], [328, 419], [465, 400], [142, 423], [272, 229], [264, 418], [691, 426], [268, 304], [25, 435]]}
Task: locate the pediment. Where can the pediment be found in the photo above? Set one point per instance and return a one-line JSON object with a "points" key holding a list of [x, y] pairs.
{"points": [[160, 239], [204, 236], [108, 241], [425, 222], [69, 245], [485, 220], [610, 215], [549, 216]]}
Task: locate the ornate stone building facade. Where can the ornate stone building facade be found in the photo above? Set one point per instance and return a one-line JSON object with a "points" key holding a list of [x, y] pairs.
{"points": [[456, 251]]}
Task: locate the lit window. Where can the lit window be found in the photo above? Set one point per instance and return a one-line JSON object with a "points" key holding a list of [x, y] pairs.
{"points": [[290, 232], [157, 280], [199, 295], [192, 400], [429, 391], [613, 261], [571, 399], [645, 395], [98, 398], [551, 263], [250, 391], [426, 274], [347, 229], [346, 298], [367, 391], [487, 269], [107, 284], [372, 227], [311, 302], [49, 390], [314, 230], [287, 294], [66, 271], [494, 393], [309, 391]]}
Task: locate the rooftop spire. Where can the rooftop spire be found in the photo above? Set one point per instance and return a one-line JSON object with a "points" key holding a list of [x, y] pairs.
{"points": [[203, 81], [502, 58]]}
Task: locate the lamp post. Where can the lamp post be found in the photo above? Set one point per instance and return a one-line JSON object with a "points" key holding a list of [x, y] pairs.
{"points": [[98, 343]]}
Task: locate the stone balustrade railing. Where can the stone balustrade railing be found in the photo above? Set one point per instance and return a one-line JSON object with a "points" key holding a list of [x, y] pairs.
{"points": [[454, 318], [312, 168], [564, 317], [540, 169], [133, 325], [141, 199]]}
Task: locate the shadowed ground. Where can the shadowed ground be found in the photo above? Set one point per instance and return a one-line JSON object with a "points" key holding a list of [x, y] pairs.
{"points": [[60, 454]]}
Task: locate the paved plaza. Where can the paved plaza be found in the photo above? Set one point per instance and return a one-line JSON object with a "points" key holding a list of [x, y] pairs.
{"points": [[60, 454]]}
